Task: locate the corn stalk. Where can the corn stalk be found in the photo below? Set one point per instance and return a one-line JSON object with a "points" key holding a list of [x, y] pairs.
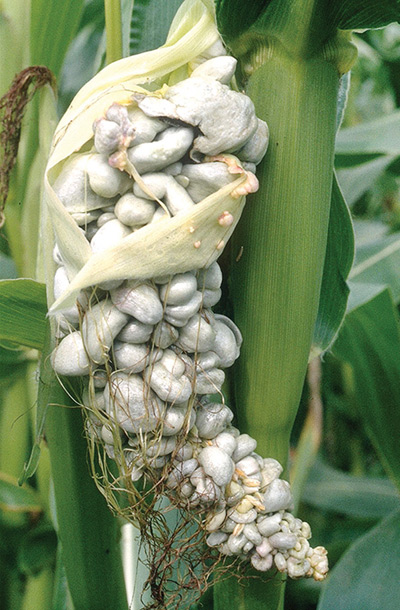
{"points": [[293, 81], [291, 72]]}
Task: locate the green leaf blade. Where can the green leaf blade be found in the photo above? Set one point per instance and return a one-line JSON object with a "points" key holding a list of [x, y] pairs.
{"points": [[357, 180], [356, 496], [338, 260], [37, 550], [53, 26], [148, 31], [366, 578], [377, 263], [370, 342], [381, 136], [16, 499], [23, 311], [235, 16], [352, 14], [321, 17]]}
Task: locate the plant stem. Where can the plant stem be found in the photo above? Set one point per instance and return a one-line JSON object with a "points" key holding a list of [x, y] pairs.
{"points": [[88, 532], [113, 30], [283, 232], [263, 593], [293, 79]]}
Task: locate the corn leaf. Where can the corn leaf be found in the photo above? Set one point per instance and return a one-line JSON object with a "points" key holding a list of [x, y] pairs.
{"points": [[37, 550], [147, 30], [235, 17], [381, 136], [53, 26], [368, 230], [10, 355], [370, 342], [358, 179], [61, 596], [14, 498], [356, 496], [338, 261], [126, 20], [375, 267], [338, 258], [12, 364], [86, 53], [23, 312], [366, 577], [238, 24], [364, 152], [351, 14]]}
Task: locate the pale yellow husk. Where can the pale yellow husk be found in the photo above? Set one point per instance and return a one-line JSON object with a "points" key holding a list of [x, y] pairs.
{"points": [[189, 240]]}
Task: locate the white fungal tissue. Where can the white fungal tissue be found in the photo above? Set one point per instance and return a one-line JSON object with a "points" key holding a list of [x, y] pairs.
{"points": [[152, 352]]}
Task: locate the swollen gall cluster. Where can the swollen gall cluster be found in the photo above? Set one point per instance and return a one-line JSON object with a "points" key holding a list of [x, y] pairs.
{"points": [[152, 353]]}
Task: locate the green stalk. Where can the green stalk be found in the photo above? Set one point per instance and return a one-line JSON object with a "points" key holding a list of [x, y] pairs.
{"points": [[263, 593], [113, 30], [283, 232], [88, 532], [276, 283], [293, 79]]}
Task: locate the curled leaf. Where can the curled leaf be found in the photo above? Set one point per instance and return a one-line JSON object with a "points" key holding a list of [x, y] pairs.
{"points": [[187, 241]]}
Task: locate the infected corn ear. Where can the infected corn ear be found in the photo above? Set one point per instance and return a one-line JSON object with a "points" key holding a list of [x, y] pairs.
{"points": [[142, 205], [192, 38]]}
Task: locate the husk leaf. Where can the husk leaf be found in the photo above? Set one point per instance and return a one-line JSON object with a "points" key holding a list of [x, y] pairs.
{"points": [[163, 248], [168, 245], [193, 33]]}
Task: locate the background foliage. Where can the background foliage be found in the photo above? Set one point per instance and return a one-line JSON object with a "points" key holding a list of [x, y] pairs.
{"points": [[345, 444]]}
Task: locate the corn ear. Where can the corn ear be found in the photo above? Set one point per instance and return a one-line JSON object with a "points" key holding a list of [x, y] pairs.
{"points": [[188, 39], [144, 403], [170, 246]]}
